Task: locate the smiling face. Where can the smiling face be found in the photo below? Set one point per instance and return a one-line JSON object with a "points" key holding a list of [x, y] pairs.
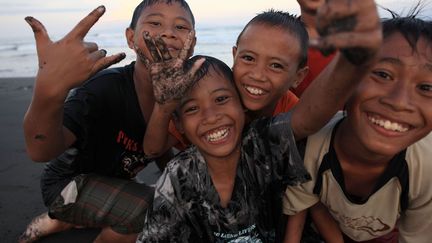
{"points": [[170, 21], [392, 107], [266, 62], [212, 118]]}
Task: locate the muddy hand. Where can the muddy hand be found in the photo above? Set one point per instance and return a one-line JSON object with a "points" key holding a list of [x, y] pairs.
{"points": [[67, 63], [170, 80], [352, 26]]}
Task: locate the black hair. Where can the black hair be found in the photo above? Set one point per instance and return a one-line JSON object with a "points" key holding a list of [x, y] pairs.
{"points": [[146, 3], [210, 63], [410, 27], [287, 22]]}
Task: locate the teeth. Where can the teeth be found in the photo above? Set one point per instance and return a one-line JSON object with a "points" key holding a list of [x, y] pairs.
{"points": [[393, 126], [254, 91], [217, 135]]}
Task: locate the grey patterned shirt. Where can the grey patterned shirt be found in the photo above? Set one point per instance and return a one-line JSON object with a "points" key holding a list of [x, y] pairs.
{"points": [[186, 205]]}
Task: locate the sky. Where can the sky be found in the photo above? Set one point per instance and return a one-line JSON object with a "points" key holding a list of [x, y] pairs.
{"points": [[59, 16]]}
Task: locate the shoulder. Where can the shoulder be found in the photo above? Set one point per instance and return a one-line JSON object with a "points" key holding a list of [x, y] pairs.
{"points": [[111, 76], [418, 158]]}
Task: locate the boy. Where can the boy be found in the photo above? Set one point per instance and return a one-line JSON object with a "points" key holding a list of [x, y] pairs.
{"points": [[316, 61], [94, 139], [372, 168]]}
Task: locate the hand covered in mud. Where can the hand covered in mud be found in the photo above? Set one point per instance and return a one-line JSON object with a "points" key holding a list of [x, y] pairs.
{"points": [[352, 26], [66, 63], [170, 80]]}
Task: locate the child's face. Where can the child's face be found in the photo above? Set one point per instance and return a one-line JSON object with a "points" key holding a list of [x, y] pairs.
{"points": [[171, 21], [392, 107], [265, 66], [211, 116]]}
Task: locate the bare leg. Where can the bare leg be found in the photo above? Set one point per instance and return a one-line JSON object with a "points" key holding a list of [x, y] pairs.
{"points": [[42, 226], [107, 235]]}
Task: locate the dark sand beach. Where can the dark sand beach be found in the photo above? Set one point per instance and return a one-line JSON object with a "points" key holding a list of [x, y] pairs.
{"points": [[20, 198]]}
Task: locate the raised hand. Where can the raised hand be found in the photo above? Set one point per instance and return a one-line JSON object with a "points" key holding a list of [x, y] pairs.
{"points": [[67, 63], [353, 26], [170, 80]]}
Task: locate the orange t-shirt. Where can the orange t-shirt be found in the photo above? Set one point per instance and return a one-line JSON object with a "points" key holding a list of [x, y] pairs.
{"points": [[316, 62], [284, 104]]}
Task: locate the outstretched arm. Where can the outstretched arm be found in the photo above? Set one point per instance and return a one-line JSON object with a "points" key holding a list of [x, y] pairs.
{"points": [[63, 65], [170, 82], [354, 28]]}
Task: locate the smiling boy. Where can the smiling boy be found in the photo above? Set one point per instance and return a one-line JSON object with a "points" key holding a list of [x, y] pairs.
{"points": [[92, 135], [372, 168]]}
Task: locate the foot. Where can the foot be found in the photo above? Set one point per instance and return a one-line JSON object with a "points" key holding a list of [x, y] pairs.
{"points": [[42, 226]]}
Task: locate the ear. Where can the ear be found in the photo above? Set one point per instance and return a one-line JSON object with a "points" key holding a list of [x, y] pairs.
{"points": [[300, 75], [178, 124], [234, 51], [192, 47], [130, 34]]}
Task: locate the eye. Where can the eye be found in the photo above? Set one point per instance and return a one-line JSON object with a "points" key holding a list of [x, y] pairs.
{"points": [[382, 75], [247, 58], [190, 110], [154, 23], [182, 27], [276, 65], [425, 88], [222, 99]]}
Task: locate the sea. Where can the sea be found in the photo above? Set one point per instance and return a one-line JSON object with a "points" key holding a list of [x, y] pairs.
{"points": [[18, 56]]}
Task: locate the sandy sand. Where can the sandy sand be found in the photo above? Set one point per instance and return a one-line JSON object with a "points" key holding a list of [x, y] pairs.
{"points": [[20, 198]]}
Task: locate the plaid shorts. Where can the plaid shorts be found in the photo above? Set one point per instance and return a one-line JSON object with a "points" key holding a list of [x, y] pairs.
{"points": [[92, 200]]}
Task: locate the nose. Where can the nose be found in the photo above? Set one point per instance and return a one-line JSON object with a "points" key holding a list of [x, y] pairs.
{"points": [[258, 72], [169, 32], [399, 96], [211, 115]]}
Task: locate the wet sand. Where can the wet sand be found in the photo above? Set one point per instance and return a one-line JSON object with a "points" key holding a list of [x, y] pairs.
{"points": [[20, 198]]}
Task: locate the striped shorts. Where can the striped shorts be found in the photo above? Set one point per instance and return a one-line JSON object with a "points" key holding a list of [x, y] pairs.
{"points": [[92, 200]]}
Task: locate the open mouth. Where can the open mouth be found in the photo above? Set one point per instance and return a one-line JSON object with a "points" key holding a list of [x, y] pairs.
{"points": [[254, 90], [217, 135], [389, 125]]}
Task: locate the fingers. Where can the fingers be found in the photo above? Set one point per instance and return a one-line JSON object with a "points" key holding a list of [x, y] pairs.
{"points": [[163, 49], [196, 66], [186, 47], [90, 46], [142, 56], [346, 15], [83, 27], [40, 33], [151, 46], [104, 62]]}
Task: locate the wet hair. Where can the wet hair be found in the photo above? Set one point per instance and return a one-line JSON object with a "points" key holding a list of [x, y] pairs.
{"points": [[410, 27], [210, 63], [147, 3], [286, 22]]}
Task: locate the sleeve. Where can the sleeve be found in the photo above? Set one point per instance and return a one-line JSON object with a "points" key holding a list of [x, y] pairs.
{"points": [[85, 104], [165, 221], [415, 224], [284, 150]]}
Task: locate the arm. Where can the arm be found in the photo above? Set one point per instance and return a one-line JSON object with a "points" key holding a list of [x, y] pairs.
{"points": [[294, 227], [326, 225], [354, 28], [170, 83], [63, 65], [157, 138]]}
